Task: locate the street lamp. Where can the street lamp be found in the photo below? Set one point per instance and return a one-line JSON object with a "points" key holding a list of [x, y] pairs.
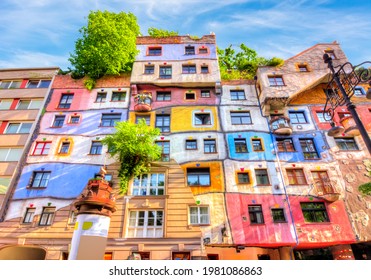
{"points": [[341, 88]]}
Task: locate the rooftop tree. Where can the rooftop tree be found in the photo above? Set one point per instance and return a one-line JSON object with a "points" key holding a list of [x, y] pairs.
{"points": [[107, 46], [133, 146], [242, 64]]}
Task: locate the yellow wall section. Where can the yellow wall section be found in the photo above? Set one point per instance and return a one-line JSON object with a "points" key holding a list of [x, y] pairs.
{"points": [[182, 118], [216, 177]]}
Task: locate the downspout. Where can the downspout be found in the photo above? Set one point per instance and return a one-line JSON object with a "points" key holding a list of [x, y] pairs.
{"points": [[280, 168]]}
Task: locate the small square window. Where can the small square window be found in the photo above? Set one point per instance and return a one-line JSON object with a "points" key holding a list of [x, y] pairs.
{"points": [[203, 50], [359, 91], [199, 215], [101, 97], [188, 69], [154, 51], [257, 145], [191, 144], [262, 178], [202, 119], [278, 215], [297, 117], [65, 102], [296, 176], [41, 148], [163, 96], [198, 176], [240, 145], [96, 148], [149, 69], [275, 81], [209, 146], [303, 68], [65, 147], [74, 119], [205, 93], [47, 216], [163, 123], [147, 118], [238, 95], [241, 117], [40, 179], [323, 117], [204, 69], [256, 214], [190, 96], [109, 120], [118, 96], [243, 178], [314, 212], [308, 148], [285, 145], [29, 215], [58, 121], [346, 144], [165, 72], [189, 50]]}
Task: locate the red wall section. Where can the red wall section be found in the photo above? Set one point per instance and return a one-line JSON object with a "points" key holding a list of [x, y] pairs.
{"points": [[337, 231], [268, 234]]}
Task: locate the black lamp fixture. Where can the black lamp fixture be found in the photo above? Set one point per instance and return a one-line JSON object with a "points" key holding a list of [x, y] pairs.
{"points": [[341, 88]]}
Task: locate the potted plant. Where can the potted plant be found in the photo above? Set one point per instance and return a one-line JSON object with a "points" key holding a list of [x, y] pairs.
{"points": [[143, 101]]}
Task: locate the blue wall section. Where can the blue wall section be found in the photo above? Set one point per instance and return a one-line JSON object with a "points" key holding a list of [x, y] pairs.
{"points": [[175, 52], [251, 155], [66, 180], [297, 156]]}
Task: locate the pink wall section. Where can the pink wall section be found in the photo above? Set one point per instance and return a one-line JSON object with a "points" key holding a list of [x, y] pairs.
{"points": [[267, 234], [80, 100], [337, 231]]}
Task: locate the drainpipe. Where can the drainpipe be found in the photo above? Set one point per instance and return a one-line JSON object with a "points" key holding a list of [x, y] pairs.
{"points": [[280, 168]]}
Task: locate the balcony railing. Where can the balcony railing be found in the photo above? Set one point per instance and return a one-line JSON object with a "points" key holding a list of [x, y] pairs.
{"points": [[326, 190], [281, 125]]}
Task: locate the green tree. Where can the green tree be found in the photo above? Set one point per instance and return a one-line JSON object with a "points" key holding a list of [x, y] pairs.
{"points": [[242, 64], [161, 33], [133, 146], [107, 46]]}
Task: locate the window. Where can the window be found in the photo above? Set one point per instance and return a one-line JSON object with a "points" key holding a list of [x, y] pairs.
{"points": [[203, 50], [209, 146], [146, 224], [163, 96], [297, 117], [190, 96], [74, 119], [110, 119], [240, 145], [154, 51], [165, 72], [314, 212], [308, 148], [165, 150], [189, 50], [202, 119], [205, 93], [163, 123], [29, 215], [275, 81], [322, 182], [5, 104], [243, 178], [296, 176], [199, 215], [101, 97], [65, 102], [72, 218], [18, 128], [149, 184], [146, 118], [257, 145], [323, 117], [241, 117], [10, 154], [237, 95], [331, 53], [47, 216], [285, 145], [191, 144], [149, 69], [303, 68], [96, 148], [118, 96], [256, 214], [29, 104], [359, 91], [10, 84], [59, 120], [278, 215], [261, 177], [38, 83], [41, 148], [198, 176], [344, 115], [40, 179], [65, 147], [189, 69], [346, 144], [204, 69]]}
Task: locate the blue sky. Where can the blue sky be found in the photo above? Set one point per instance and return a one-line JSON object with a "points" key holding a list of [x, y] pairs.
{"points": [[38, 33]]}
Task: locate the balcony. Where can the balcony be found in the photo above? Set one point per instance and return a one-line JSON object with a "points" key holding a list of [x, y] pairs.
{"points": [[326, 190], [281, 125], [143, 102], [350, 126]]}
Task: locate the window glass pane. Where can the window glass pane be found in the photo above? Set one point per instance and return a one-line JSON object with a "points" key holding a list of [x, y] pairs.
{"points": [[23, 104], [14, 154], [44, 83], [35, 104], [5, 104], [12, 128], [25, 128]]}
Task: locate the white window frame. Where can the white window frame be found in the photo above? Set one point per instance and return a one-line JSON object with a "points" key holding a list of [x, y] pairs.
{"points": [[138, 225], [148, 184], [198, 218]]}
